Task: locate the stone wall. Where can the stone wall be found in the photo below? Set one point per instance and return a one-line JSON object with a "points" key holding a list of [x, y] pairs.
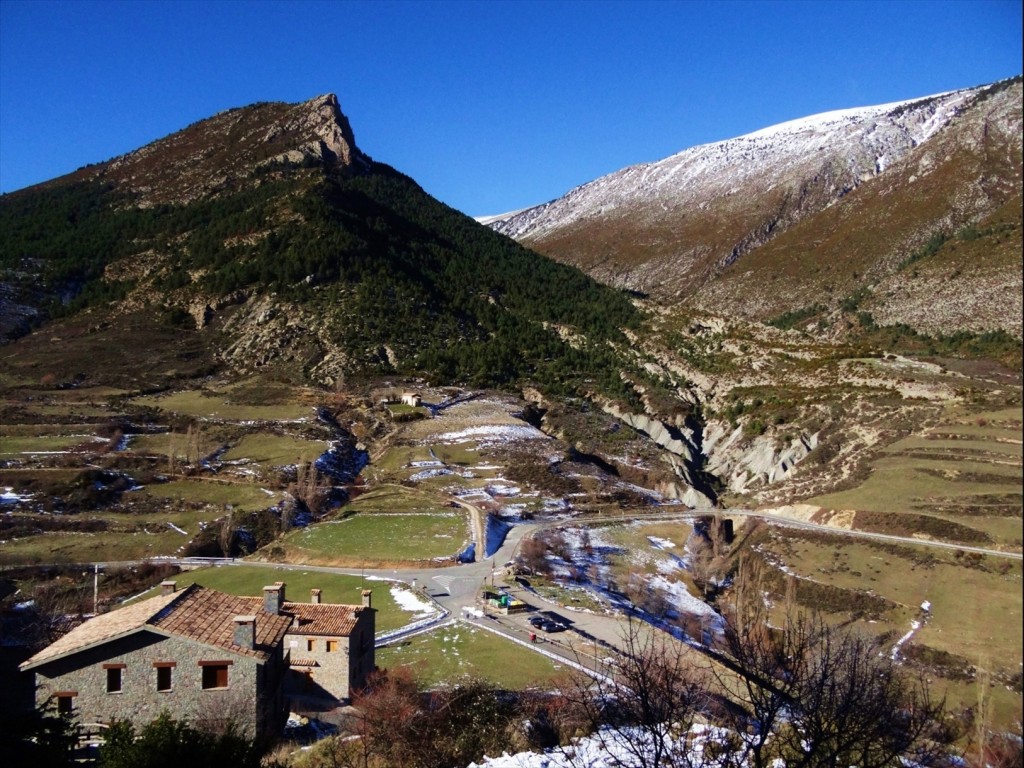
{"points": [[337, 672], [361, 656], [248, 700]]}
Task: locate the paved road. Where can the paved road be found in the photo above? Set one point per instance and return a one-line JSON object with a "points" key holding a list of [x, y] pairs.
{"points": [[788, 522]]}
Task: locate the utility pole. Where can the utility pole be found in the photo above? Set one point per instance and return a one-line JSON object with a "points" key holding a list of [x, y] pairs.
{"points": [[96, 589]]}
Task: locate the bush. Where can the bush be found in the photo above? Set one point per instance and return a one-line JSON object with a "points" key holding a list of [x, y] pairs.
{"points": [[170, 743]]}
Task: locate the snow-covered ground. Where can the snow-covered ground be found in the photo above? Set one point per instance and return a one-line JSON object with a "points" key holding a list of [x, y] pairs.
{"points": [[10, 497], [608, 749], [491, 434], [408, 600]]}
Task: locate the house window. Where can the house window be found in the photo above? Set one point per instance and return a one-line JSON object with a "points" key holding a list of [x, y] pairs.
{"points": [[309, 644], [66, 702], [163, 677], [114, 679], [215, 674], [332, 646]]}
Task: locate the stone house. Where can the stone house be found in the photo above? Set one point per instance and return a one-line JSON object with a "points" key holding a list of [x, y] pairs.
{"points": [[330, 647], [412, 399], [203, 655]]}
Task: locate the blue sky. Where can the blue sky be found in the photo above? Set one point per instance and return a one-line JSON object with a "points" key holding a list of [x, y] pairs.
{"points": [[490, 106]]}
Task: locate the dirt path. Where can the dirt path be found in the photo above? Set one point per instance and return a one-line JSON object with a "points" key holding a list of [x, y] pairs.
{"points": [[478, 524]]}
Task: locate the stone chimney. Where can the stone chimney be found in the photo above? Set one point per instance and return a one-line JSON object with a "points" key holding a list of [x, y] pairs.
{"points": [[245, 632], [314, 596], [273, 598], [168, 587], [367, 594]]}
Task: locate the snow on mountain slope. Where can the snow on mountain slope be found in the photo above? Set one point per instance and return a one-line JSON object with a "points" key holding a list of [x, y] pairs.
{"points": [[866, 140], [670, 227]]}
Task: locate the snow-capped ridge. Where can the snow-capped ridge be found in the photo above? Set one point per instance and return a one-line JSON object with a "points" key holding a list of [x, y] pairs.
{"points": [[867, 140]]}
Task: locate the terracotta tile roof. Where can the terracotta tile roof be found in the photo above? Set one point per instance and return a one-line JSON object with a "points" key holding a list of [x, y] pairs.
{"points": [[104, 627], [196, 613], [324, 618], [207, 616], [304, 663]]}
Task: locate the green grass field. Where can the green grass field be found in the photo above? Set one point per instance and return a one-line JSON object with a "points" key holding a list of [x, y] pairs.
{"points": [[275, 450], [450, 653], [42, 430], [72, 547], [368, 538], [396, 498], [196, 491], [966, 470], [204, 406], [19, 446], [977, 605]]}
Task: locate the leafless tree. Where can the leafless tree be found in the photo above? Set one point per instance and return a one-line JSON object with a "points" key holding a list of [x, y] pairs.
{"points": [[226, 535], [651, 698], [311, 487], [193, 441], [816, 695]]}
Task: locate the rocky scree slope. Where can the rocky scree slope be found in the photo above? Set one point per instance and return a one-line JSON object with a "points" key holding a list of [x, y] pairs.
{"points": [[867, 187]]}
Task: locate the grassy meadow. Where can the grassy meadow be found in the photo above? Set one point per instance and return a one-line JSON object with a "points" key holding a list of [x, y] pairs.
{"points": [[959, 481], [364, 539], [449, 653]]}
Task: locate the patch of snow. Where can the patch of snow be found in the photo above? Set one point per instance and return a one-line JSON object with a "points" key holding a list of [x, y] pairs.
{"points": [[914, 626], [10, 497], [497, 489], [429, 473], [409, 601], [494, 433], [176, 528], [496, 532], [659, 543], [616, 748], [680, 598]]}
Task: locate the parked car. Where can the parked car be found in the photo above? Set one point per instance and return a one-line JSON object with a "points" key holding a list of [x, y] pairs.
{"points": [[552, 626], [537, 621]]}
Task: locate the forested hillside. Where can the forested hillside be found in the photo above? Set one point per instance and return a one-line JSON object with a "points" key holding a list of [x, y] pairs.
{"points": [[395, 281]]}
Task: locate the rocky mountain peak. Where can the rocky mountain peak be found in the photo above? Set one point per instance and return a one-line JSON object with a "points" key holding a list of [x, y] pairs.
{"points": [[234, 147], [322, 121]]}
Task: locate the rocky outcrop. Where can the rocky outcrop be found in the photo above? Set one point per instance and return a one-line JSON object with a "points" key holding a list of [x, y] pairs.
{"points": [[681, 455], [237, 147], [16, 318], [334, 144], [742, 464], [669, 438]]}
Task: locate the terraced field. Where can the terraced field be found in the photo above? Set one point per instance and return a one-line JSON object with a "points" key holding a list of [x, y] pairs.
{"points": [[960, 480]]}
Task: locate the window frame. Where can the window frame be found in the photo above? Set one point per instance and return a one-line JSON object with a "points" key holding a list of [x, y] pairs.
{"points": [[65, 702], [164, 669], [218, 672], [115, 677]]}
